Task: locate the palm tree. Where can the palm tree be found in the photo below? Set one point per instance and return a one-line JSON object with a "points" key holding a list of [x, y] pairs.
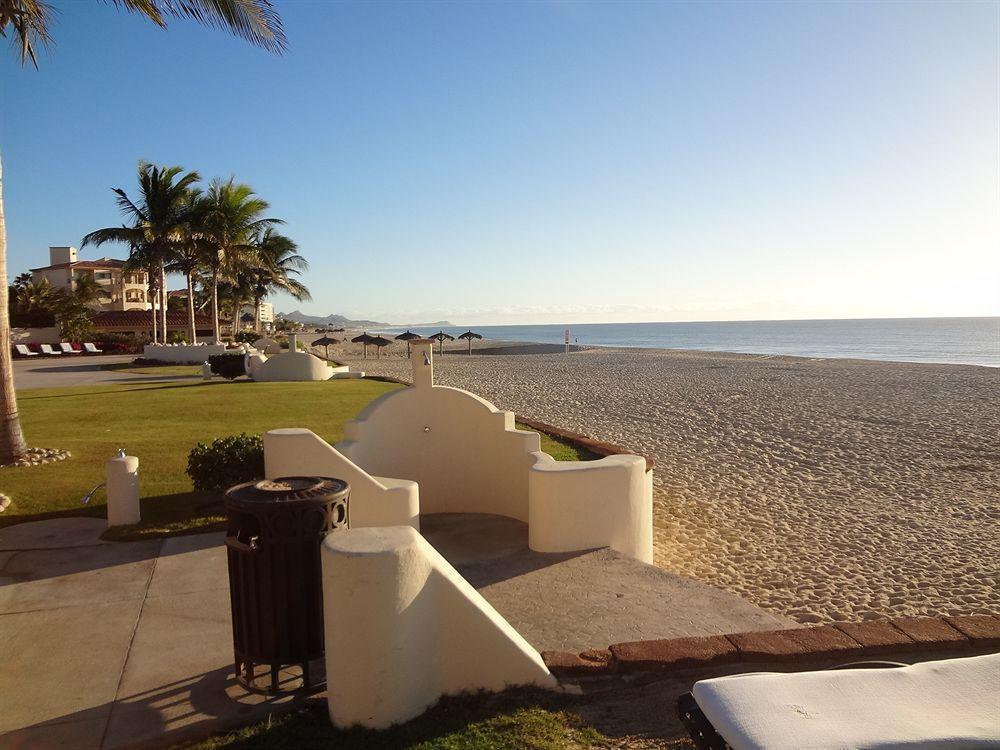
{"points": [[232, 219], [189, 251], [28, 22], [277, 262], [158, 224]]}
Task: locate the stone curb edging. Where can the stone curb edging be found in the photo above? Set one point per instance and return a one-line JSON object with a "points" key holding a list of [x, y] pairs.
{"points": [[580, 440], [847, 641]]}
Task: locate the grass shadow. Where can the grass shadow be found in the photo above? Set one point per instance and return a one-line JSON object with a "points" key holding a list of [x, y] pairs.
{"points": [[163, 516]]}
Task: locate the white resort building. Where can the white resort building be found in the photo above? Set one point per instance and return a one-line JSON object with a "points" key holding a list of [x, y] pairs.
{"points": [[125, 291]]}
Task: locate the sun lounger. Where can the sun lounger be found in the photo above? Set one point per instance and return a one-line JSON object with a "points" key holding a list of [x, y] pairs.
{"points": [[945, 705], [23, 351], [48, 350], [91, 349], [68, 348]]}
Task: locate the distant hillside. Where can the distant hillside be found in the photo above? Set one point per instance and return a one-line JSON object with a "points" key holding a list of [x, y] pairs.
{"points": [[331, 321], [436, 324]]}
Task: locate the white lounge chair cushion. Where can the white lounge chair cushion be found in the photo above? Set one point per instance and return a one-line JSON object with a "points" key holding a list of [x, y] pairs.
{"points": [[953, 704]]}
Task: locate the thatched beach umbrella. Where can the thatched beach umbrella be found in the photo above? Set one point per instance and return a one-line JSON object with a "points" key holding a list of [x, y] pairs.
{"points": [[469, 335], [325, 342], [380, 341], [441, 336], [407, 337], [365, 340]]}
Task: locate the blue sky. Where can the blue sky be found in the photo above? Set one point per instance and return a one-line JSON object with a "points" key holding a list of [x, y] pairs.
{"points": [[551, 161]]}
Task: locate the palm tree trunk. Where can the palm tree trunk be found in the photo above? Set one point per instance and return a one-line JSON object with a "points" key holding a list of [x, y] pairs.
{"points": [[256, 314], [163, 297], [215, 304], [11, 440], [192, 329], [152, 303]]}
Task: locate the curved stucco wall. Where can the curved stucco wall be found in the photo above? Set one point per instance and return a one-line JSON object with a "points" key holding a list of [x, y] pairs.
{"points": [[292, 366], [267, 346], [186, 354], [464, 453], [403, 628], [374, 501], [578, 505]]}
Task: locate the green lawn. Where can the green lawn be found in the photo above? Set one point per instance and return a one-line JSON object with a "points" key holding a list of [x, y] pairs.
{"points": [[524, 719], [160, 421]]}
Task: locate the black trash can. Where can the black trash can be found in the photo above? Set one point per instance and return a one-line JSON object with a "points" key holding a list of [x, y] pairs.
{"points": [[275, 582]]}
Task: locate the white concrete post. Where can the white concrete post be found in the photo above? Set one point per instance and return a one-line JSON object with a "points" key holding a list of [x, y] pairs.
{"points": [[422, 361], [206, 371], [293, 342], [122, 477], [404, 628]]}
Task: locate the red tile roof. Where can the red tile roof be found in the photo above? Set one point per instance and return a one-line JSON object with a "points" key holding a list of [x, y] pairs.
{"points": [[144, 319], [101, 264]]}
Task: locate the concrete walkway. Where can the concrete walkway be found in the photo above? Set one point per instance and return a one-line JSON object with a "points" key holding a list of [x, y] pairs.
{"points": [[79, 370], [113, 645]]}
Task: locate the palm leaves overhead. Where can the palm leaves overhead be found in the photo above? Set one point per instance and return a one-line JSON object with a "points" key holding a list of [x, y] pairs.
{"points": [[29, 22]]}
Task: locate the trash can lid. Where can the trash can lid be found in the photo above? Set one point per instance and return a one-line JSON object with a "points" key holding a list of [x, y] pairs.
{"points": [[285, 490]]}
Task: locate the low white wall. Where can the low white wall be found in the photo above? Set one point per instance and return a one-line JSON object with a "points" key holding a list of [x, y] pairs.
{"points": [[468, 457], [182, 354], [267, 346], [465, 454], [292, 366], [375, 501], [403, 628], [578, 505]]}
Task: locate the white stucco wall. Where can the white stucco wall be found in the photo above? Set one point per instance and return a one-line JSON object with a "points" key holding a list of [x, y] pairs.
{"points": [[467, 457], [464, 453], [404, 628], [585, 504], [292, 366], [186, 354], [267, 346], [374, 501]]}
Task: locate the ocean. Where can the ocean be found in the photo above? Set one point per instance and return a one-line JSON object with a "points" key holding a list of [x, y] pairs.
{"points": [[966, 341]]}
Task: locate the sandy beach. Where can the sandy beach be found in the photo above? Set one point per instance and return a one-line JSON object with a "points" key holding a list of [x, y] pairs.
{"points": [[822, 489]]}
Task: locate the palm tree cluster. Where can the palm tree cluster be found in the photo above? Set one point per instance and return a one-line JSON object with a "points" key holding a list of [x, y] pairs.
{"points": [[27, 23], [219, 238], [39, 302]]}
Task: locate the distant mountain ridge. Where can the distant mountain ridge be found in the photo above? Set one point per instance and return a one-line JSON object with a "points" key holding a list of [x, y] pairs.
{"points": [[336, 321], [340, 321]]}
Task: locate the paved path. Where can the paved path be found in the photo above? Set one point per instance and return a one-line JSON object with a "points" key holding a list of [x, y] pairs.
{"points": [[113, 645], [52, 372]]}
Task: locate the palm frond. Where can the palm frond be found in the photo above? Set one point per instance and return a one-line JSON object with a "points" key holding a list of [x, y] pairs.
{"points": [[256, 21], [30, 21]]}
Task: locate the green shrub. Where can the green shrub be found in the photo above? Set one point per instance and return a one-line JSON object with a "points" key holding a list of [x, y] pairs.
{"points": [[229, 366], [246, 337], [227, 461], [177, 337]]}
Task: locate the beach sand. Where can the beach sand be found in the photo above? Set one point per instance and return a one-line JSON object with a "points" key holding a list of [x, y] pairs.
{"points": [[825, 490]]}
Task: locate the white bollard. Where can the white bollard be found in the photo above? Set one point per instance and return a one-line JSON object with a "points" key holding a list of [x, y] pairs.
{"points": [[206, 371], [122, 476]]}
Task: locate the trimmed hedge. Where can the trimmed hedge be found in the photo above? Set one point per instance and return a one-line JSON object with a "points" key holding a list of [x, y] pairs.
{"points": [[229, 366], [225, 462]]}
